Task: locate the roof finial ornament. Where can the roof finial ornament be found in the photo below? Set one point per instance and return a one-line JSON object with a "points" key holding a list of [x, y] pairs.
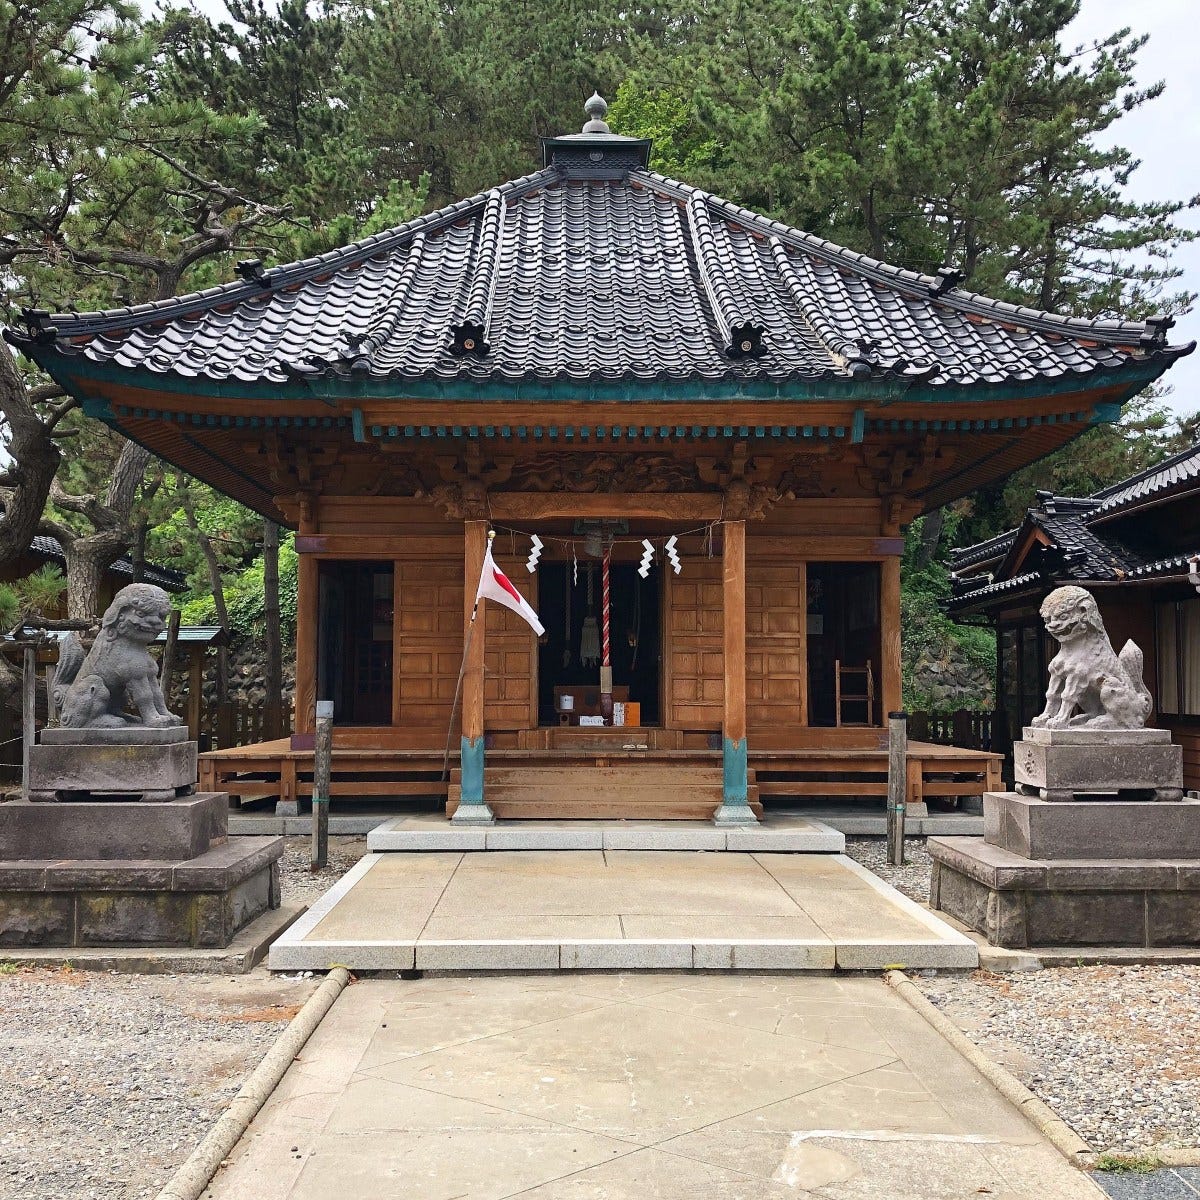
{"points": [[596, 109]]}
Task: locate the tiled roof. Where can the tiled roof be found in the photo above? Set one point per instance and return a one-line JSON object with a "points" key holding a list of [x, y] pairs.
{"points": [[1015, 584], [1181, 470], [596, 268], [165, 577], [1175, 564], [204, 635], [980, 552], [1083, 548]]}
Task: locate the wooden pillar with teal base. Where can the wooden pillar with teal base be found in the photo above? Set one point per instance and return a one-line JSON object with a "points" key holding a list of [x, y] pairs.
{"points": [[735, 802], [472, 808]]}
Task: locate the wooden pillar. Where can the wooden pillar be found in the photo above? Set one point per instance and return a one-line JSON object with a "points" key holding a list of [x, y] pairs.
{"points": [[195, 689], [889, 620], [472, 807], [802, 643], [306, 643], [735, 808]]}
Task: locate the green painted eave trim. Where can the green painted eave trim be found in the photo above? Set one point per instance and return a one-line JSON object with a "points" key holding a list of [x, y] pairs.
{"points": [[71, 370]]}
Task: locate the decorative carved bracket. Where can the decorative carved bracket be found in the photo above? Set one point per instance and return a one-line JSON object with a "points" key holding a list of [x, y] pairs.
{"points": [[903, 470], [467, 501], [748, 501]]}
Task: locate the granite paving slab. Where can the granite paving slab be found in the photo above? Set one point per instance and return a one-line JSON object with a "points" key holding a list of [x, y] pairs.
{"points": [[616, 910], [626, 1086], [783, 832]]}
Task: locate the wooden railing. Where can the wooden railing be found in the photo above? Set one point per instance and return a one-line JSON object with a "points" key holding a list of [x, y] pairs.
{"points": [[229, 723], [963, 727]]}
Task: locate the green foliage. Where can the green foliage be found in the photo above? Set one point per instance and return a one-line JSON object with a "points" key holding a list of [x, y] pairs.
{"points": [[927, 633], [1102, 456], [964, 133], [1141, 1164], [244, 598], [683, 148], [233, 530], [38, 593]]}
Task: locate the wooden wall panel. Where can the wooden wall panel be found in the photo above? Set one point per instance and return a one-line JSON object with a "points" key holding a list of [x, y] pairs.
{"points": [[374, 516], [510, 663], [428, 641], [693, 641], [776, 645]]}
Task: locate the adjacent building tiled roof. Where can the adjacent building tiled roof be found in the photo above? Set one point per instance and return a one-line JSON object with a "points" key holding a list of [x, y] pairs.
{"points": [[1180, 471], [165, 577], [596, 268], [1083, 547]]}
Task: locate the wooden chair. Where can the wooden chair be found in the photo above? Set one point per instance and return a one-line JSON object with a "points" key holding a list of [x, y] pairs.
{"points": [[856, 678]]}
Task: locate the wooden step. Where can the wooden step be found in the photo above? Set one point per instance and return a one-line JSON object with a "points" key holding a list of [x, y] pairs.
{"points": [[625, 791]]}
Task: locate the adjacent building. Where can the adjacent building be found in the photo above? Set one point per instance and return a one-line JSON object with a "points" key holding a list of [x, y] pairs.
{"points": [[1136, 547]]}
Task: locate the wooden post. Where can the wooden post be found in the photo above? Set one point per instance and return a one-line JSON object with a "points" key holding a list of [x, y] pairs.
{"points": [[322, 768], [166, 664], [897, 785], [889, 613], [28, 715], [195, 697], [472, 805], [735, 808], [306, 641]]}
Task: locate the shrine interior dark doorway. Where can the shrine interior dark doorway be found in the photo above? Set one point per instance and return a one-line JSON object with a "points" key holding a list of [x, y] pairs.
{"points": [[636, 624], [843, 636], [355, 640]]}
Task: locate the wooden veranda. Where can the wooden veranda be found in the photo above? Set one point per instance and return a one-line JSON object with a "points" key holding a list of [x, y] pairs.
{"points": [[612, 783]]}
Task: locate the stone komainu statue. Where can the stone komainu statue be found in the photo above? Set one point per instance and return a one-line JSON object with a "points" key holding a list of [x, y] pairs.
{"points": [[93, 692], [1091, 687]]}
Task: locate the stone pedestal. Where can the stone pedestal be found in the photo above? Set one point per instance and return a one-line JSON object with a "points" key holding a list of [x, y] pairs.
{"points": [[132, 763], [130, 855], [1075, 873], [111, 873], [1064, 764]]}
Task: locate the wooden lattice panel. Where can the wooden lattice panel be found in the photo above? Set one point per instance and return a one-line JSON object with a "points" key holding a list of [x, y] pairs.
{"points": [[776, 652], [510, 662], [429, 640], [693, 647]]}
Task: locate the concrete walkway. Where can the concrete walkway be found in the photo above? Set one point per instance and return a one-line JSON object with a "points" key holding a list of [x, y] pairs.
{"points": [[628, 1087], [616, 910]]}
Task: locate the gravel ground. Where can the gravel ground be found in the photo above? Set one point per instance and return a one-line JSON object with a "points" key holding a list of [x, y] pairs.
{"points": [[912, 879], [299, 883], [107, 1082], [1115, 1051]]}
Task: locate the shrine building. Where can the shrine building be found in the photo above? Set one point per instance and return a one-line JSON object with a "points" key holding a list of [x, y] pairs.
{"points": [[601, 357]]}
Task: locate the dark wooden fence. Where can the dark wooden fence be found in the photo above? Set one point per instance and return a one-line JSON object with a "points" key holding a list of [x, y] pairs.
{"points": [[962, 727], [230, 723]]}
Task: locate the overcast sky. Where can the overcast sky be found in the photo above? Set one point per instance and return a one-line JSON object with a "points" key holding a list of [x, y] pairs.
{"points": [[1165, 135]]}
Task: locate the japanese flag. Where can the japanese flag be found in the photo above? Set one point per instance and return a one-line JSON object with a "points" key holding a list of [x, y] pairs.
{"points": [[495, 585]]}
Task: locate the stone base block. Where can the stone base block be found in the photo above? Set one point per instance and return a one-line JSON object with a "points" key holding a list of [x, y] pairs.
{"points": [[110, 829], [125, 735], [152, 771], [1091, 829], [1096, 737], [1019, 903], [1056, 765], [199, 902]]}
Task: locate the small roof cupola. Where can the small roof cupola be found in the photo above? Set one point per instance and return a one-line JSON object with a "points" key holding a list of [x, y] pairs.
{"points": [[596, 109], [596, 152]]}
